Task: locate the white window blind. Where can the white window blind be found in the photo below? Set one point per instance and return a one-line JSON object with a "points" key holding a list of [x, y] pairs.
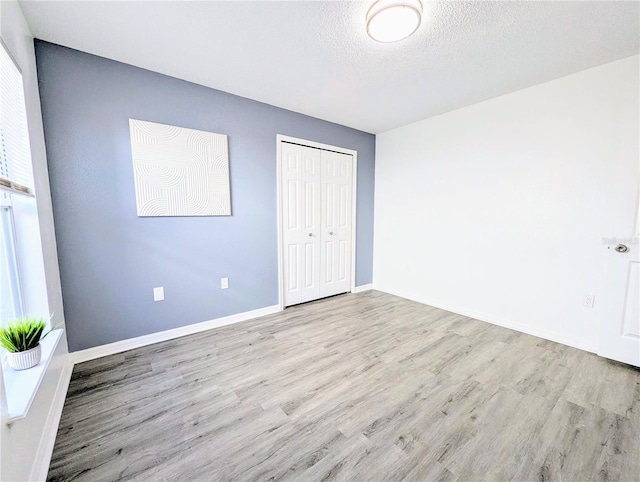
{"points": [[15, 156]]}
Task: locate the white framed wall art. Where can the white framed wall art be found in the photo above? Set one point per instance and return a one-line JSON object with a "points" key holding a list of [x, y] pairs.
{"points": [[179, 171]]}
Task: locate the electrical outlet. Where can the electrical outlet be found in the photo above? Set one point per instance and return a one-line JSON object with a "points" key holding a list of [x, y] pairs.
{"points": [[588, 301], [158, 293], [224, 283]]}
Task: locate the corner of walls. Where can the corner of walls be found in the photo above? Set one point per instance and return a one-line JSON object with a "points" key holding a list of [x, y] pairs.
{"points": [[110, 259], [498, 210], [365, 205]]}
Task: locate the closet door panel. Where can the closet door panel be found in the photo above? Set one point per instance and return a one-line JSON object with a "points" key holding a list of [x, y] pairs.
{"points": [[336, 223], [291, 222], [310, 236]]}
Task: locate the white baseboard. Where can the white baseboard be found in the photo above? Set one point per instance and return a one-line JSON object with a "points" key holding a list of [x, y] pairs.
{"points": [[580, 344], [361, 288], [45, 448], [131, 343]]}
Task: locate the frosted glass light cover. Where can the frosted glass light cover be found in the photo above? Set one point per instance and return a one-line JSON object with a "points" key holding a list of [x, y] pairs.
{"points": [[391, 21]]}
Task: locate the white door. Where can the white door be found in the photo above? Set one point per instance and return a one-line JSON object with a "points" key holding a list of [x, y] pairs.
{"points": [[300, 222], [335, 251], [620, 325], [316, 200]]}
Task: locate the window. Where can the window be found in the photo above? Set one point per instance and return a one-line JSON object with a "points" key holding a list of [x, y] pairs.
{"points": [[11, 302], [15, 157], [23, 289], [16, 179]]}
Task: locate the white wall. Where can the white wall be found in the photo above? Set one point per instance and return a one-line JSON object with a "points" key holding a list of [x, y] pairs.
{"points": [[26, 444], [498, 210]]}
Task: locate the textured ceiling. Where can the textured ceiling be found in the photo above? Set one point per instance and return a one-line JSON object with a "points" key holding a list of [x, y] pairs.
{"points": [[315, 57]]}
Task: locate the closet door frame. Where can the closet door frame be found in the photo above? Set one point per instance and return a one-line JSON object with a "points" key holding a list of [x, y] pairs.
{"points": [[303, 142]]}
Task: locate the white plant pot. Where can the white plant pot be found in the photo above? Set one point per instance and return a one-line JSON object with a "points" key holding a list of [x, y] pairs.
{"points": [[25, 359]]}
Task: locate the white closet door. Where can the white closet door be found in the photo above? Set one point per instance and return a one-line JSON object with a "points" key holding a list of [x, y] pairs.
{"points": [[335, 252], [301, 223]]}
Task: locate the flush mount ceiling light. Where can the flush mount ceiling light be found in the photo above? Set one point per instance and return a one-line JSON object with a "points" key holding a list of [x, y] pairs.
{"points": [[393, 20]]}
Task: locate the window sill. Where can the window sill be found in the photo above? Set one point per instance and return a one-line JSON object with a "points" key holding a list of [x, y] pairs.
{"points": [[21, 386]]}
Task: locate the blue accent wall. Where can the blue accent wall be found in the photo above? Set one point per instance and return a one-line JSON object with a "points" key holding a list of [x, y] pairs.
{"points": [[110, 259]]}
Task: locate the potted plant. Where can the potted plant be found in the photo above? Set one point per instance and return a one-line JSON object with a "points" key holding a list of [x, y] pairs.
{"points": [[21, 338]]}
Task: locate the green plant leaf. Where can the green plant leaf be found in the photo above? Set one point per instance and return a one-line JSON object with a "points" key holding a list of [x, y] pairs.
{"points": [[22, 334]]}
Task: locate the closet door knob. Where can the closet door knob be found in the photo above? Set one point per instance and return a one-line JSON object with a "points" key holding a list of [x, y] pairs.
{"points": [[330, 233], [310, 235]]}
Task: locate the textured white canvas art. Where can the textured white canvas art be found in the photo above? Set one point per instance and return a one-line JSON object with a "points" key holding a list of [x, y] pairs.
{"points": [[178, 171]]}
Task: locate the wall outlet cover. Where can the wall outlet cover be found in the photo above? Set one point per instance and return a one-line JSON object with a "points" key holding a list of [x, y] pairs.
{"points": [[158, 293], [588, 301]]}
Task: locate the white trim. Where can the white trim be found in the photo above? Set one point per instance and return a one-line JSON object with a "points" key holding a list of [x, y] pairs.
{"points": [[131, 343], [354, 190], [580, 344], [279, 221], [362, 288], [40, 468], [354, 202], [22, 386]]}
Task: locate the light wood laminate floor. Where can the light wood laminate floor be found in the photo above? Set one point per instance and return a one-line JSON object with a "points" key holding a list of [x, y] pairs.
{"points": [[361, 387]]}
